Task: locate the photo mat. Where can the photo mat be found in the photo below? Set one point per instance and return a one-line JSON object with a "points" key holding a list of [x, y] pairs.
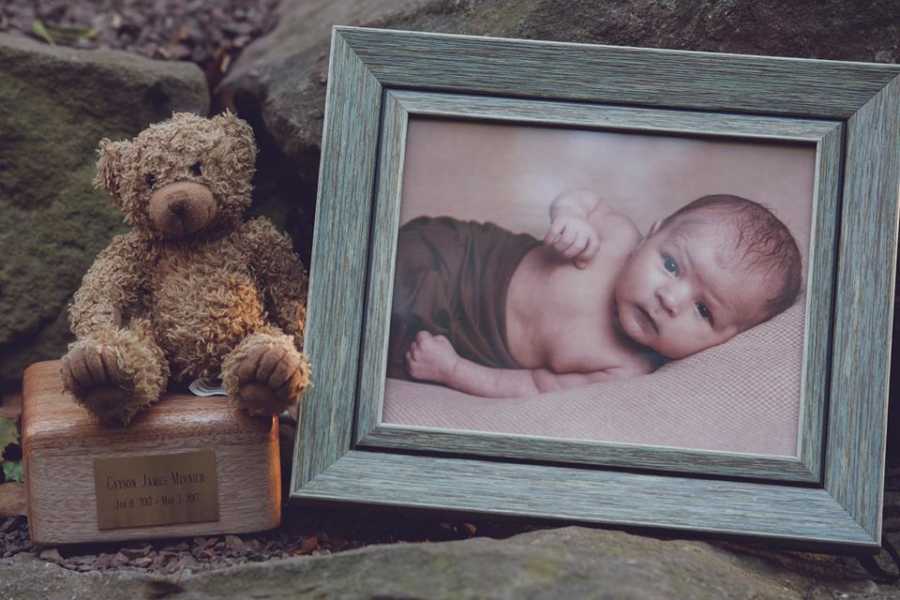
{"points": [[741, 397]]}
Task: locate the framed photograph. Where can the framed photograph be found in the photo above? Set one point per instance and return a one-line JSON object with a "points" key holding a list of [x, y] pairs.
{"points": [[603, 284]]}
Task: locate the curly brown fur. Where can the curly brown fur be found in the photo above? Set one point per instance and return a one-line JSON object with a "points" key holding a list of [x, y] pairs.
{"points": [[111, 289], [167, 152], [191, 286], [266, 374], [282, 274], [115, 373]]}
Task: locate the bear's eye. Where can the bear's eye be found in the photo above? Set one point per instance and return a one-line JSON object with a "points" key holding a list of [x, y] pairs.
{"points": [[150, 178], [197, 168]]}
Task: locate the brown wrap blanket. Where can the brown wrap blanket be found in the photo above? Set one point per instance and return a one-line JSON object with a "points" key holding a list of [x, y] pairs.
{"points": [[451, 279]]}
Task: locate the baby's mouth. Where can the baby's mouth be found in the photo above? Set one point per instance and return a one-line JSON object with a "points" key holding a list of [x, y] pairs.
{"points": [[645, 321]]}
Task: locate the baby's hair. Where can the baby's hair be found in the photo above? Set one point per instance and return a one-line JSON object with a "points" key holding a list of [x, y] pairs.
{"points": [[762, 239]]}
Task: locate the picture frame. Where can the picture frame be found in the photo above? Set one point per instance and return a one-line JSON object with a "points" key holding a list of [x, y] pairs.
{"points": [[828, 495]]}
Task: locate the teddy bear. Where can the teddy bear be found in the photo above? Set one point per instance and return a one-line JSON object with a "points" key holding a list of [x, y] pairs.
{"points": [[192, 291]]}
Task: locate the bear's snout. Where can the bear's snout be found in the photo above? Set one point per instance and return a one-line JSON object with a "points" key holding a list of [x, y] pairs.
{"points": [[182, 208]]}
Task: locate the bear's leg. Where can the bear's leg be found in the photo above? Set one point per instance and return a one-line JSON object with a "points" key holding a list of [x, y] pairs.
{"points": [[116, 373], [266, 373]]}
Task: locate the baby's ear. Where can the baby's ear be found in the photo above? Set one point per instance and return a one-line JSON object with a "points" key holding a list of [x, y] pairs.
{"points": [[109, 171]]}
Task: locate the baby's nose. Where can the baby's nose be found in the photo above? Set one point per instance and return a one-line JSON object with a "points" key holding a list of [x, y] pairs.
{"points": [[671, 298]]}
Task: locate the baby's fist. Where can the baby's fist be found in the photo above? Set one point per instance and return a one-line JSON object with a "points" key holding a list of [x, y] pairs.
{"points": [[431, 358], [573, 238]]}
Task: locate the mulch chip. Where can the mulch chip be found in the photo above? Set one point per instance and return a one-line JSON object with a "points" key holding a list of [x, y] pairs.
{"points": [[306, 532]]}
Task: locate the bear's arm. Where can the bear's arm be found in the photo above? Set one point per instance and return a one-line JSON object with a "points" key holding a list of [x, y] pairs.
{"points": [[279, 272], [112, 285]]}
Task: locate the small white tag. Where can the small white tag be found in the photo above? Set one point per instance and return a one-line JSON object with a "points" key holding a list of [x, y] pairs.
{"points": [[207, 387]]}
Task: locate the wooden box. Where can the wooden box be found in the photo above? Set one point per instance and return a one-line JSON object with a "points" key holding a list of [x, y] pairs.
{"points": [[188, 466]]}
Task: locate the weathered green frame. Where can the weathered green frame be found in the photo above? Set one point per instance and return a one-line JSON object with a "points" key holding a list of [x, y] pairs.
{"points": [[830, 494]]}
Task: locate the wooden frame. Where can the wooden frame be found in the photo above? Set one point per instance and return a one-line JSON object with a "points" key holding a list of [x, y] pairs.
{"points": [[831, 494]]}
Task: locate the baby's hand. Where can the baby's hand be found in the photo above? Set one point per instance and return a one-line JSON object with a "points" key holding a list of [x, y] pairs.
{"points": [[573, 237], [431, 358]]}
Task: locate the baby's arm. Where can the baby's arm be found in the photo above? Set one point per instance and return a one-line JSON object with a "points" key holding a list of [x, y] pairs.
{"points": [[579, 221], [432, 358]]}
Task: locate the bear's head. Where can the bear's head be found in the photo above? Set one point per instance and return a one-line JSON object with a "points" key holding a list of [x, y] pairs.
{"points": [[181, 177]]}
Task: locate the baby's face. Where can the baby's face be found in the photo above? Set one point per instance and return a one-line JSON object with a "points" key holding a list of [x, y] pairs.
{"points": [[684, 289]]}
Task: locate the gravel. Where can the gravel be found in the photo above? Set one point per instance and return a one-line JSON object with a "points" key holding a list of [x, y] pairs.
{"points": [[211, 34]]}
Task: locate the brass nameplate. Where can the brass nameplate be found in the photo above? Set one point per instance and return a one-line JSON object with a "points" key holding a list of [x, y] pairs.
{"points": [[161, 489]]}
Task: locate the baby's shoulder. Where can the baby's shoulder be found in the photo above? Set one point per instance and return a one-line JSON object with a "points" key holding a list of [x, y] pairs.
{"points": [[619, 234]]}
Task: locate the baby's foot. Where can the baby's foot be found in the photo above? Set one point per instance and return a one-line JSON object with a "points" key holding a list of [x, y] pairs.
{"points": [[431, 358], [91, 372], [270, 378]]}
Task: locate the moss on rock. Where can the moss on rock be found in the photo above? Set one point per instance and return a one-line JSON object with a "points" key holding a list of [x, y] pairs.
{"points": [[55, 106]]}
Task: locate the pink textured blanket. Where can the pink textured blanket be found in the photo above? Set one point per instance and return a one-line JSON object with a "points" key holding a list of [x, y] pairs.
{"points": [[702, 402]]}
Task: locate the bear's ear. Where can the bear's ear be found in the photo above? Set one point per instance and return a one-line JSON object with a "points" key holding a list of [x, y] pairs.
{"points": [[239, 131], [109, 165]]}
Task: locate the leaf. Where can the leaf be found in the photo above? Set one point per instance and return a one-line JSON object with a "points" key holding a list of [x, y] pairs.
{"points": [[13, 471], [38, 29], [9, 433], [86, 33], [65, 34]]}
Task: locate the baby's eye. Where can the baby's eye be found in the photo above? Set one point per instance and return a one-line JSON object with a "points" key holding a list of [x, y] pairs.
{"points": [[197, 168], [150, 178], [704, 311], [670, 265]]}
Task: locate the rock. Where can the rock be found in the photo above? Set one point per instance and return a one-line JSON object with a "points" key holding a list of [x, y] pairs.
{"points": [[309, 545], [137, 551], [234, 543], [84, 559], [51, 555], [104, 561], [14, 537], [24, 577], [143, 563], [55, 105], [291, 64], [279, 81], [573, 562], [8, 524]]}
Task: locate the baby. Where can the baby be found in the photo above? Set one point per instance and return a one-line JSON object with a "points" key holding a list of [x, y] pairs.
{"points": [[497, 314]]}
